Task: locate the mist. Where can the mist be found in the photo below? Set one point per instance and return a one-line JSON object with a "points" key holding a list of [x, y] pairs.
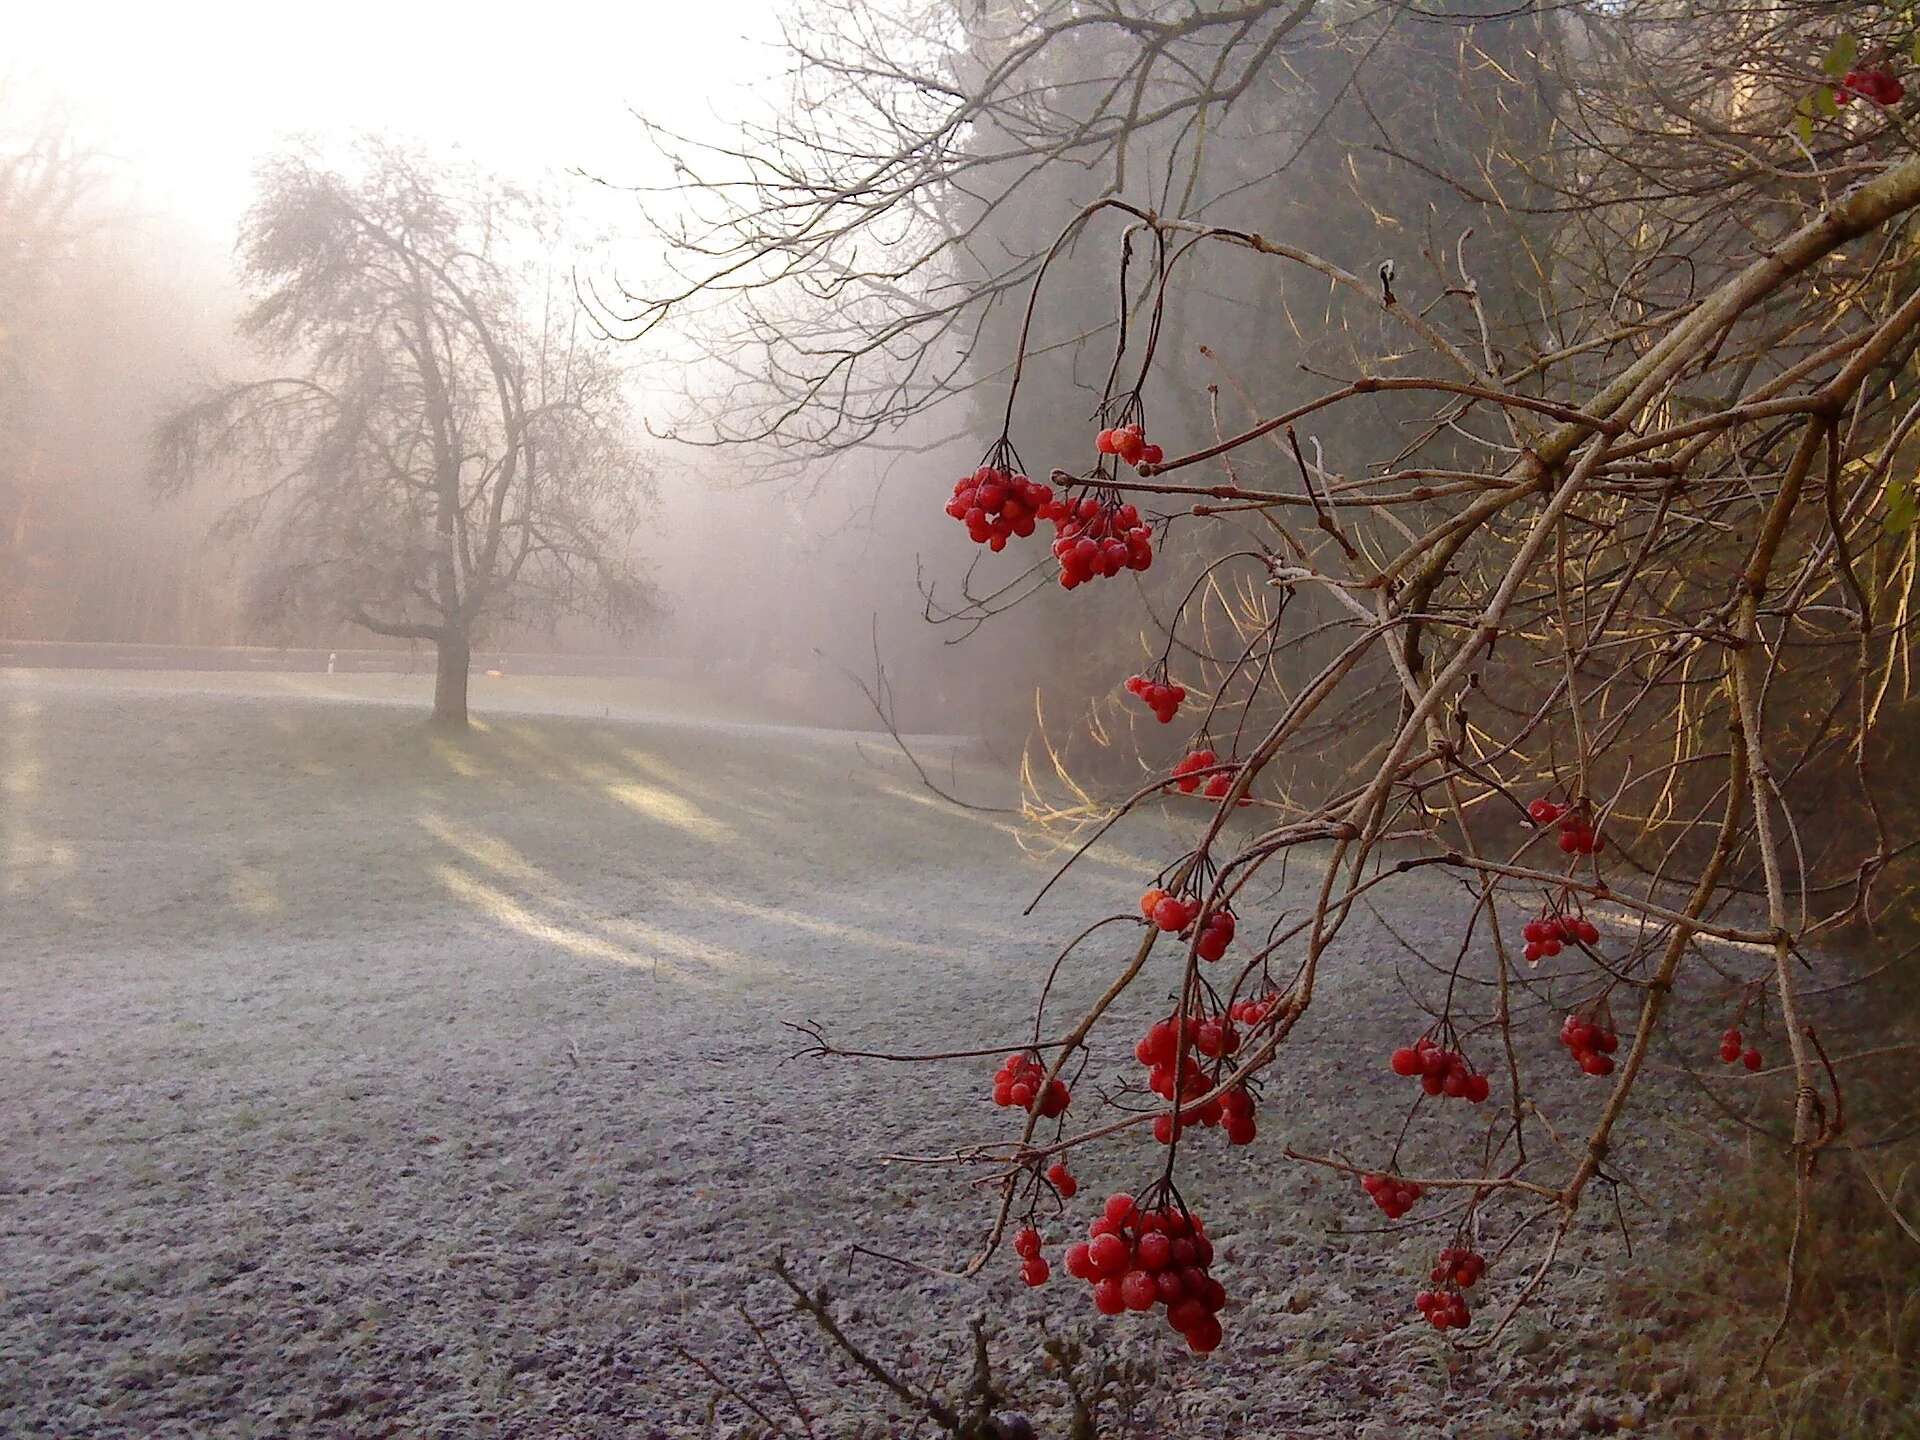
{"points": [[984, 718]]}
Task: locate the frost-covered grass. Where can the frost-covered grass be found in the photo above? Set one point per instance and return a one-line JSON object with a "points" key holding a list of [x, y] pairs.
{"points": [[358, 1081]]}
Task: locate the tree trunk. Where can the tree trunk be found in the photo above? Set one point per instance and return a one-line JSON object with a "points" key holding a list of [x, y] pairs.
{"points": [[455, 655]]}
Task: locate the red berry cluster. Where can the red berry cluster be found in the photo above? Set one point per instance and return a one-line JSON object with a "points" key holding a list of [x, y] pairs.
{"points": [[1172, 913], [1062, 1180], [1176, 915], [1444, 1309], [1458, 1266], [1546, 935], [994, 503], [1457, 1269], [1731, 1052], [1252, 1012], [1215, 1039], [1161, 698], [1022, 1083], [1187, 773], [1215, 935], [1096, 537], [1577, 835], [1186, 776], [1232, 1112], [1135, 1259], [1878, 85], [1391, 1194], [1591, 1043], [1441, 1071], [1129, 442], [1034, 1268]]}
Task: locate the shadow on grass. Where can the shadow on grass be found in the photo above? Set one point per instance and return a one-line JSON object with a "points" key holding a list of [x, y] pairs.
{"points": [[136, 817]]}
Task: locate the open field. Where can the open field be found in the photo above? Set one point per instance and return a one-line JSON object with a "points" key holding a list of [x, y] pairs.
{"points": [[358, 1082]]}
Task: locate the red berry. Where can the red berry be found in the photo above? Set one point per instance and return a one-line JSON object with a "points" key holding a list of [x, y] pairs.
{"points": [[1139, 1291], [1205, 1336], [1153, 1251], [1751, 1059], [1107, 1296], [1109, 1254], [1188, 1313]]}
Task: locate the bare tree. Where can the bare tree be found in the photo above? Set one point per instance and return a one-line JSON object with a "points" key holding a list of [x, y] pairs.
{"points": [[450, 449]]}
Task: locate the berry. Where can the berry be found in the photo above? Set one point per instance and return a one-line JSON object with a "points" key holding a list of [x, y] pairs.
{"points": [[1440, 1071], [1751, 1059], [1062, 1180], [1392, 1195], [1444, 1310], [1577, 835], [1458, 1266], [1546, 935], [1139, 1258], [1109, 1255], [1205, 1336], [1215, 936], [1159, 696], [1153, 1251], [1184, 774], [994, 504], [1173, 914], [1021, 1083], [1026, 1244], [1590, 1043], [1878, 85], [1035, 1271], [1096, 536]]}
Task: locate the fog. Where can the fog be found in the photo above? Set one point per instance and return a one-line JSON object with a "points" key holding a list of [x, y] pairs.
{"points": [[124, 301], [603, 606]]}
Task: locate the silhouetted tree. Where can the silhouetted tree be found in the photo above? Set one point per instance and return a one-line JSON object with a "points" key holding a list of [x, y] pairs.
{"points": [[451, 448]]}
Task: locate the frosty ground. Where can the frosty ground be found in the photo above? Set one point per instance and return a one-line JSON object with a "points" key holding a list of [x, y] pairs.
{"points": [[356, 1081]]}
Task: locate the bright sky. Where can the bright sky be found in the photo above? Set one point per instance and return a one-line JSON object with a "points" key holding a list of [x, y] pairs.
{"points": [[192, 94]]}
